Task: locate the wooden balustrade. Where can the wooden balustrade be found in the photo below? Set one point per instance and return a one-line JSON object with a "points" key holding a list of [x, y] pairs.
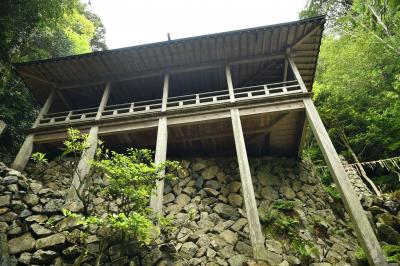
{"points": [[176, 102]]}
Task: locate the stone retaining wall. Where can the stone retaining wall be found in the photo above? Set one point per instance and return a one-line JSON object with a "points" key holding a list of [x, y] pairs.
{"points": [[211, 222]]}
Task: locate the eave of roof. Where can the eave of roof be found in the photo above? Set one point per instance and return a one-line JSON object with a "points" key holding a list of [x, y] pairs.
{"points": [[40, 75], [169, 42]]}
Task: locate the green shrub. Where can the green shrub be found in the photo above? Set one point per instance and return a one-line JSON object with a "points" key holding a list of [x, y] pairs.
{"points": [[283, 205]]}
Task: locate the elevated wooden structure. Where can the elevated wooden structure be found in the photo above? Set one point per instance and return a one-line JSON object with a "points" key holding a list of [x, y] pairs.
{"points": [[241, 92]]}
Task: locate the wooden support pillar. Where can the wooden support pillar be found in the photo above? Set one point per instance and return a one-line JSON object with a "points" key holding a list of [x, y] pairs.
{"points": [[83, 167], [297, 74], [364, 231], [256, 235], [78, 180], [156, 201], [230, 83], [26, 149]]}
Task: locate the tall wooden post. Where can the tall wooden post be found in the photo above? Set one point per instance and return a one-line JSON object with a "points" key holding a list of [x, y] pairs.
{"points": [[26, 149], [84, 163], [156, 200], [365, 234], [256, 235]]}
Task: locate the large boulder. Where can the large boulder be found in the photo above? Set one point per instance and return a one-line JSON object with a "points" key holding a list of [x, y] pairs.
{"points": [[210, 172], [21, 244], [43, 256], [188, 250], [55, 241], [40, 231], [225, 211], [5, 200]]}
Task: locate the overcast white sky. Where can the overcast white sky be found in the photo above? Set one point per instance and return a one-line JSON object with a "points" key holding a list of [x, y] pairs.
{"points": [[130, 22]]}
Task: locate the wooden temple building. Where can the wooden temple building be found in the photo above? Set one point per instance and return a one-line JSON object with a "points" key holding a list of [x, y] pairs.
{"points": [[238, 93]]}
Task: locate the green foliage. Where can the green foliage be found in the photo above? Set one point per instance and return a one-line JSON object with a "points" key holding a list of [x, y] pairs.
{"points": [[333, 192], [283, 205], [39, 158], [357, 82], [281, 222], [132, 177], [38, 29], [75, 143], [392, 253]]}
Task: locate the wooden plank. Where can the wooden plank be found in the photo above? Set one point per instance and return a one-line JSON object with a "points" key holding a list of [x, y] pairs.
{"points": [[256, 235], [362, 227]]}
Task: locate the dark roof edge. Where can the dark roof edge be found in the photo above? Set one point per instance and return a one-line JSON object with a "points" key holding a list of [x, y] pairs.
{"points": [[320, 19]]}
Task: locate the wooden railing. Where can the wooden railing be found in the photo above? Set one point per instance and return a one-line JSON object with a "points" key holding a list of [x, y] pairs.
{"points": [[199, 99]]}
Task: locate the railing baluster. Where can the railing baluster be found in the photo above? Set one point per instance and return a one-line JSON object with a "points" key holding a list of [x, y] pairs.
{"points": [[131, 108], [214, 99], [266, 90], [147, 107], [115, 112], [197, 99], [249, 94], [68, 117], [180, 103]]}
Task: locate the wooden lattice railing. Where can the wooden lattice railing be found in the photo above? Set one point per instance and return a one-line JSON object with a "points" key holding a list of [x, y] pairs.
{"points": [[199, 99]]}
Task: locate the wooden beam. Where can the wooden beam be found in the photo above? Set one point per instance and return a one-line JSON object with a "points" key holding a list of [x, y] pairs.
{"points": [[302, 39], [259, 73], [80, 174], [26, 74], [165, 93], [266, 130], [24, 153], [297, 74], [62, 98], [171, 70], [104, 100], [156, 200], [26, 149], [230, 84], [362, 227], [45, 108], [256, 235]]}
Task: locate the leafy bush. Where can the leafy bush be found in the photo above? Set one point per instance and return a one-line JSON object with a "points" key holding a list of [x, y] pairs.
{"points": [[132, 177]]}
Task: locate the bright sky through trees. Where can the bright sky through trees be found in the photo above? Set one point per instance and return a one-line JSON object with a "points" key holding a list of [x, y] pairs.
{"points": [[129, 22]]}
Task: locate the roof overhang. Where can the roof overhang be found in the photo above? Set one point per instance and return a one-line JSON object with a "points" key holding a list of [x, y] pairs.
{"points": [[303, 37]]}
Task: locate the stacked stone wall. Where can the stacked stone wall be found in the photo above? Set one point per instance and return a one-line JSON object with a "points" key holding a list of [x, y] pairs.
{"points": [[207, 205]]}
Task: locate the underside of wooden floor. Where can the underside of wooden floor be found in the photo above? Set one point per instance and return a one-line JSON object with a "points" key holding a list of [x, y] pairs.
{"points": [[267, 134]]}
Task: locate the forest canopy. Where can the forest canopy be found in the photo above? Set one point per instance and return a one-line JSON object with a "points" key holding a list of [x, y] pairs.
{"points": [[32, 30], [357, 85]]}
